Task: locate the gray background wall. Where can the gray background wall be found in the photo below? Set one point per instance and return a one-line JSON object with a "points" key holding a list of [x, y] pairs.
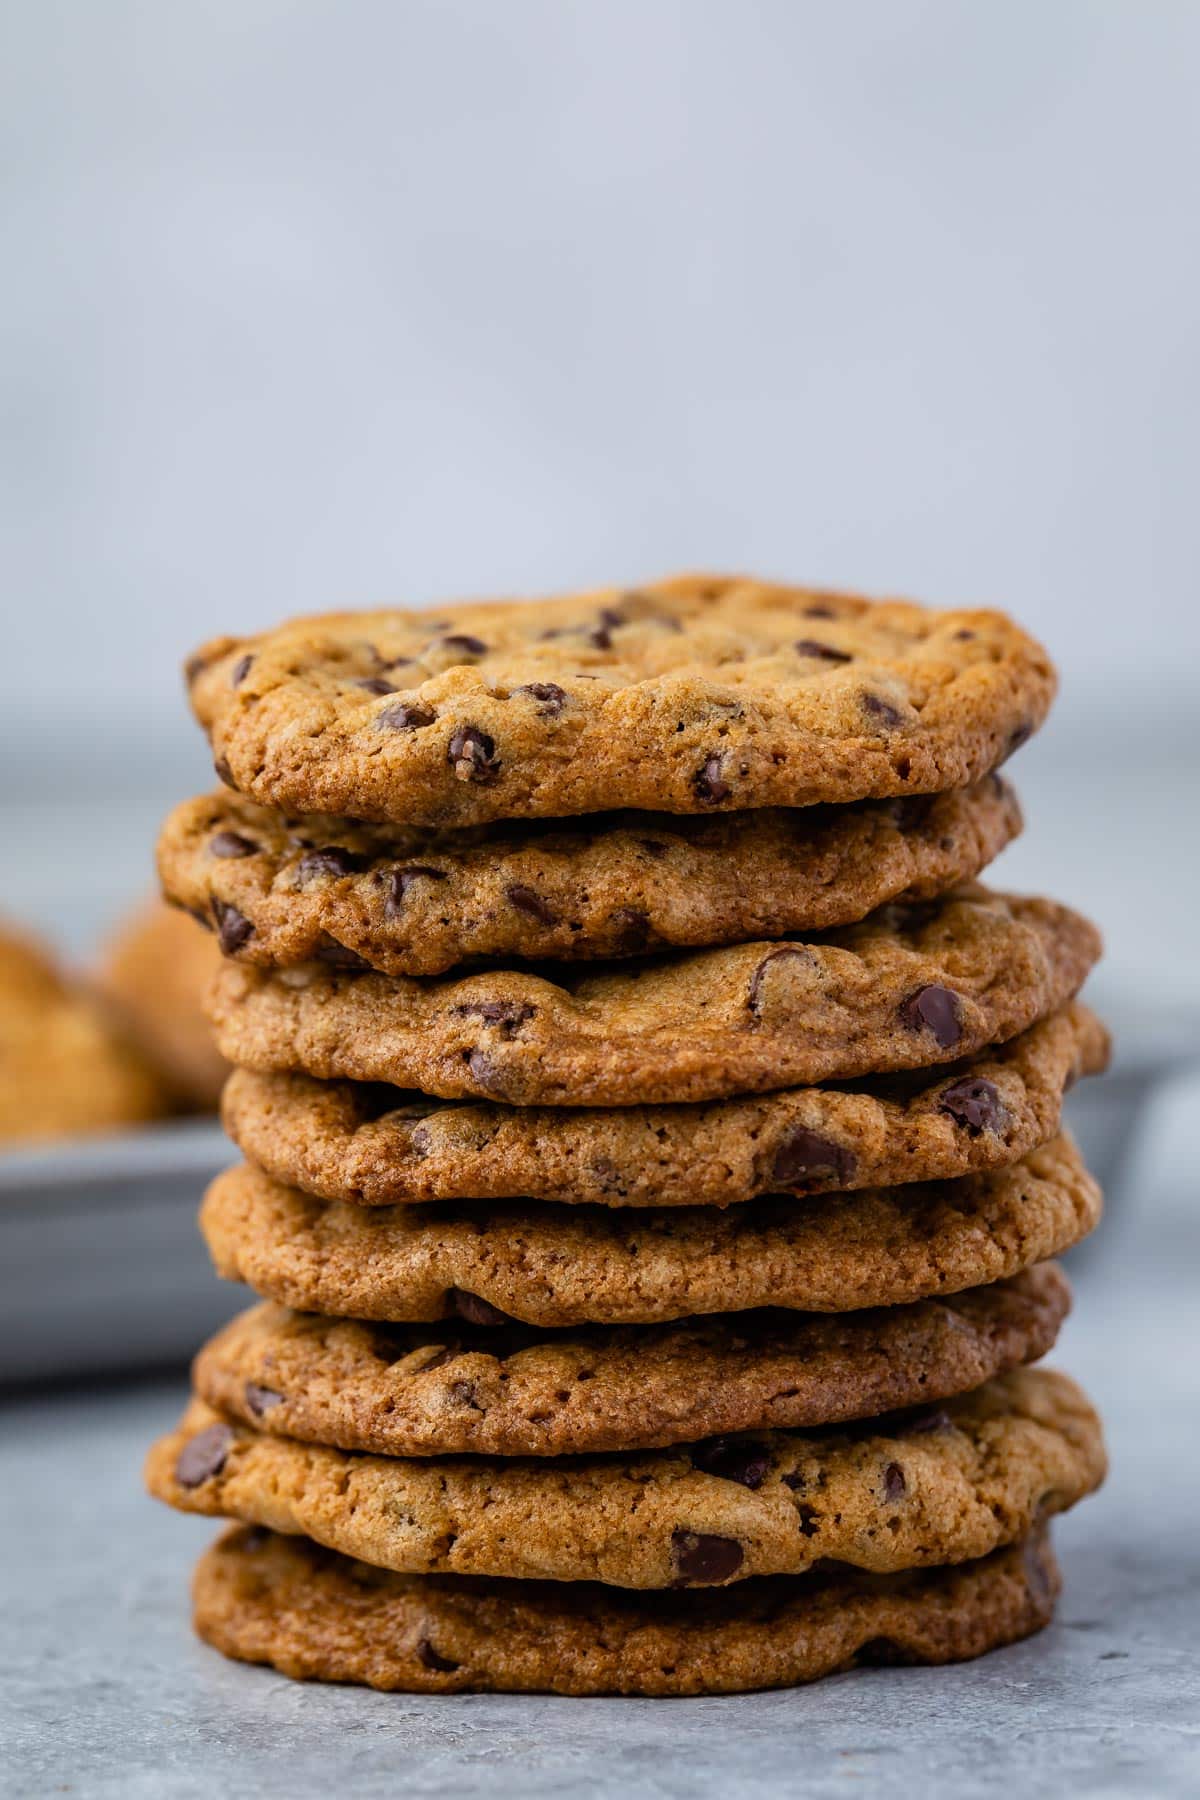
{"points": [[311, 305]]}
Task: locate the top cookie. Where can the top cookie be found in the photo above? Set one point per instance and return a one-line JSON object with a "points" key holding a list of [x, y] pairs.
{"points": [[694, 694]]}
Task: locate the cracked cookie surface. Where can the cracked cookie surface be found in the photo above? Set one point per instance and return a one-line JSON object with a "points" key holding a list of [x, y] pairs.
{"points": [[909, 987], [552, 1265], [376, 1145], [314, 1615], [518, 1391], [689, 695], [877, 1495], [411, 902]]}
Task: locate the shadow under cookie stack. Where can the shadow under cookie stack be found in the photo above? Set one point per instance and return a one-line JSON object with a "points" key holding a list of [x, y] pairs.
{"points": [[651, 1210]]}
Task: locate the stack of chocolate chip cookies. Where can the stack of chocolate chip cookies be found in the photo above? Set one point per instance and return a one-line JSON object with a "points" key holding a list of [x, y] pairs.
{"points": [[651, 1208]]}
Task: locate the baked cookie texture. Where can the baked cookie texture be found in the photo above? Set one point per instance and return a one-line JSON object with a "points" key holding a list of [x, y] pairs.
{"points": [[285, 889], [377, 1145], [550, 1265], [517, 1391], [314, 1615], [688, 695], [909, 987], [1018, 1449], [157, 969], [66, 1065]]}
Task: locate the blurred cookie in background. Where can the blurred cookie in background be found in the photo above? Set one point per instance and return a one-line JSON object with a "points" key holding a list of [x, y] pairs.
{"points": [[67, 1064], [156, 968]]}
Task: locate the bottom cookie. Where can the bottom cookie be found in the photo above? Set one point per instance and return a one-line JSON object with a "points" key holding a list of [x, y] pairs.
{"points": [[315, 1615]]}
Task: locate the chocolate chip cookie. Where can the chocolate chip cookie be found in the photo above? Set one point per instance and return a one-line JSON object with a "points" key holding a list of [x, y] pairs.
{"points": [[687, 696], [910, 987], [283, 889], [66, 1064], [877, 1495], [517, 1391], [157, 969], [552, 1265], [314, 1615], [376, 1145]]}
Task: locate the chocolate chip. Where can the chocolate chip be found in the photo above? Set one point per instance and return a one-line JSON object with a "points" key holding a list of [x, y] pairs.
{"points": [[804, 1158], [223, 769], [260, 1400], [439, 1359], [487, 1073], [825, 652], [611, 618], [707, 784], [883, 710], [754, 997], [530, 902], [475, 1309], [1020, 736], [550, 697], [631, 928], [375, 684], [203, 1456], [462, 640], [701, 1556], [732, 1460], [231, 843], [193, 667], [462, 1393], [819, 611], [974, 1103], [240, 670], [404, 717], [1037, 1575], [509, 1015], [934, 1009], [472, 753], [339, 956], [653, 847], [400, 880], [233, 927], [332, 861], [427, 1655], [600, 637], [894, 1483], [808, 1519]]}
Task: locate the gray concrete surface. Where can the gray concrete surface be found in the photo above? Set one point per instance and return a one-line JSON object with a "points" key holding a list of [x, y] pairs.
{"points": [[103, 1691]]}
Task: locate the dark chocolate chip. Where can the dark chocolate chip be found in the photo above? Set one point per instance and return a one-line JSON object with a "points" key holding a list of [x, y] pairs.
{"points": [[807, 1518], [934, 1009], [754, 997], [231, 843], [462, 640], [804, 1158], [702, 1557], [375, 684], [974, 1103], [600, 637], [332, 861], [530, 902], [610, 617], [427, 1655], [472, 754], [240, 670], [193, 667], [910, 812], [509, 1015], [225, 772], [400, 880], [707, 784], [550, 697], [878, 708], [233, 927], [732, 1460], [825, 652], [819, 611], [439, 1359], [260, 1400], [462, 1393], [631, 928], [894, 1483], [403, 717], [203, 1456], [1020, 736], [475, 1309], [487, 1073], [339, 956]]}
